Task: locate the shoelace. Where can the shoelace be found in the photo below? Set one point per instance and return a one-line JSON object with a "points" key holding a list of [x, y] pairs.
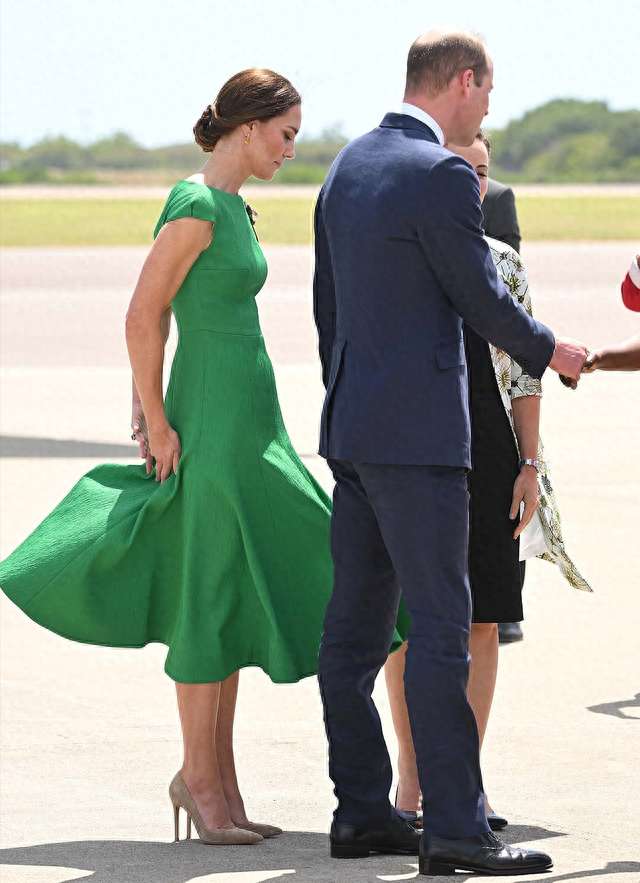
{"points": [[493, 839]]}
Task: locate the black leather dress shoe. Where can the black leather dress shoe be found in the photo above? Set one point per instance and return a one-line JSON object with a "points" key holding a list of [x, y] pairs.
{"points": [[496, 822], [485, 853], [395, 836]]}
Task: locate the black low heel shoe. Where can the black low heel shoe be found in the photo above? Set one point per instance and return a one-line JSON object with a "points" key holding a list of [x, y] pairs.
{"points": [[395, 837], [411, 818], [484, 853], [496, 822]]}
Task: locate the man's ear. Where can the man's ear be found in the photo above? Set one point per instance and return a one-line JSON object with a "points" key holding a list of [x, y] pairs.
{"points": [[466, 80]]}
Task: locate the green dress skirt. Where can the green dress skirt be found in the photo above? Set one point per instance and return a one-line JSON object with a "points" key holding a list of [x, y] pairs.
{"points": [[228, 561]]}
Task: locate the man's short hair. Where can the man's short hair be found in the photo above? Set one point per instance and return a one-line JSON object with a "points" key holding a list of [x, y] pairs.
{"points": [[435, 58]]}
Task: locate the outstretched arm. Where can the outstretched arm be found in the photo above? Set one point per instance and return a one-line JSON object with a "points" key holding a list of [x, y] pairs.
{"points": [[623, 356], [450, 232]]}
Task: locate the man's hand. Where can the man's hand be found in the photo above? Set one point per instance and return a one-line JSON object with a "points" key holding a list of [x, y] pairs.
{"points": [[568, 358], [525, 490]]}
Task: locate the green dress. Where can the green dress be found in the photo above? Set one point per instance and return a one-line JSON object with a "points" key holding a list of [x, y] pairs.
{"points": [[228, 561]]}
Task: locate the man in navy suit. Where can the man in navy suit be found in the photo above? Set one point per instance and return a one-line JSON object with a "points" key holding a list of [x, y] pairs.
{"points": [[400, 262]]}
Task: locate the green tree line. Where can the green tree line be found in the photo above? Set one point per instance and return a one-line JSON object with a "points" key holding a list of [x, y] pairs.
{"points": [[568, 140], [562, 141]]}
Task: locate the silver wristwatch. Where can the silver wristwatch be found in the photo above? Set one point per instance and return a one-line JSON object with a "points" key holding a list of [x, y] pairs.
{"points": [[533, 463]]}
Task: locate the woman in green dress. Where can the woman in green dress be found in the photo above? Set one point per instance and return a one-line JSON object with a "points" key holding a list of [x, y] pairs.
{"points": [[218, 547]]}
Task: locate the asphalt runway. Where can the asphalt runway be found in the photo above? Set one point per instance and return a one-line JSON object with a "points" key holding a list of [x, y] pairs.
{"points": [[90, 736]]}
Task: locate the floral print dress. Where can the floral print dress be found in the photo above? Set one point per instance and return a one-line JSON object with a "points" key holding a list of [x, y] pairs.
{"points": [[544, 532]]}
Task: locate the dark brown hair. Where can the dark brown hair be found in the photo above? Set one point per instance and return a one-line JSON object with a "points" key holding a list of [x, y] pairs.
{"points": [[254, 94], [482, 136], [435, 59]]}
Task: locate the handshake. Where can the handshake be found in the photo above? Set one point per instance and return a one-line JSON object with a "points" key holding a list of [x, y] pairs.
{"points": [[571, 358]]}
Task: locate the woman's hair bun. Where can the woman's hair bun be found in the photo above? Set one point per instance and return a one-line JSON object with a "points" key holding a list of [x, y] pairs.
{"points": [[254, 94], [204, 129]]}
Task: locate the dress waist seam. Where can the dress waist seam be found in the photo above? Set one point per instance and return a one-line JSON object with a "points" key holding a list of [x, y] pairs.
{"points": [[225, 333]]}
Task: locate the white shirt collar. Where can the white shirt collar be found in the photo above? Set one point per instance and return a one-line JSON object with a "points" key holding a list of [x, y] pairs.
{"points": [[419, 114]]}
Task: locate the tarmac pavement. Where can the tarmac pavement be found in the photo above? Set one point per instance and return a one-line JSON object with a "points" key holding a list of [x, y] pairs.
{"points": [[90, 736]]}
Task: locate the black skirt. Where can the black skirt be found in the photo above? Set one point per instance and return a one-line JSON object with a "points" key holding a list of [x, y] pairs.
{"points": [[495, 571]]}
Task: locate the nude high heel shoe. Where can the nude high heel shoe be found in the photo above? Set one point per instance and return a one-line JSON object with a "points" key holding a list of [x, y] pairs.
{"points": [[181, 797], [259, 828]]}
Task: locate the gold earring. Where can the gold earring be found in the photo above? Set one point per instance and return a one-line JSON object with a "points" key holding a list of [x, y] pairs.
{"points": [[247, 139]]}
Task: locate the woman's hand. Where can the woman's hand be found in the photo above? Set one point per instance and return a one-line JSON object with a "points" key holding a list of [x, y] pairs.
{"points": [[140, 432], [623, 356], [525, 490], [165, 449]]}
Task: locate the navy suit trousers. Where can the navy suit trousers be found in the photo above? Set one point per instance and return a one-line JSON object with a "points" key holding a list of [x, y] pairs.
{"points": [[403, 526]]}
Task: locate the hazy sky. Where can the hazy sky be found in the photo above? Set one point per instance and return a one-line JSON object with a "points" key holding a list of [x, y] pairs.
{"points": [[86, 69]]}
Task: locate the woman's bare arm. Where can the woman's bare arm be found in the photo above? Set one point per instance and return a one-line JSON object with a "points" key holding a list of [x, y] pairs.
{"points": [[177, 246], [138, 422], [526, 420], [623, 356]]}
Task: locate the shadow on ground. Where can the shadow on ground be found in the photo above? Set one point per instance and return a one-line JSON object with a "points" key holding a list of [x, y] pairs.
{"points": [[615, 709], [18, 446], [299, 856]]}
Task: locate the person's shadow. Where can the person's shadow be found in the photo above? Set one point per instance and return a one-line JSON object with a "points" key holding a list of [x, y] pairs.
{"points": [[299, 855]]}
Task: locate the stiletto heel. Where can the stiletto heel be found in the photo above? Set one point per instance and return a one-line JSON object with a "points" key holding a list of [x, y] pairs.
{"points": [[176, 822], [181, 798]]}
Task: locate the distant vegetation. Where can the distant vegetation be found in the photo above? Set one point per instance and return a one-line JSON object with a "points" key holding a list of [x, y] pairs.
{"points": [[562, 141], [569, 141], [96, 222], [119, 159]]}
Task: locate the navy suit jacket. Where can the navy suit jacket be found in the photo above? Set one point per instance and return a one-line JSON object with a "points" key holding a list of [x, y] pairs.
{"points": [[400, 262]]}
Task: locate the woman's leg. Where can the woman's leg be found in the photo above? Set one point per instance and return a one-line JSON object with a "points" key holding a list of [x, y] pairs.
{"points": [[483, 647], [198, 707], [224, 748], [408, 785]]}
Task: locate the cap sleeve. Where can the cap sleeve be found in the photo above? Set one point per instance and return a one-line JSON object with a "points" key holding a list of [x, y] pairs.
{"points": [[188, 200]]}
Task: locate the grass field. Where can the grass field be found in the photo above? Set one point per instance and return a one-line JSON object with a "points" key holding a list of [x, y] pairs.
{"points": [[91, 222]]}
